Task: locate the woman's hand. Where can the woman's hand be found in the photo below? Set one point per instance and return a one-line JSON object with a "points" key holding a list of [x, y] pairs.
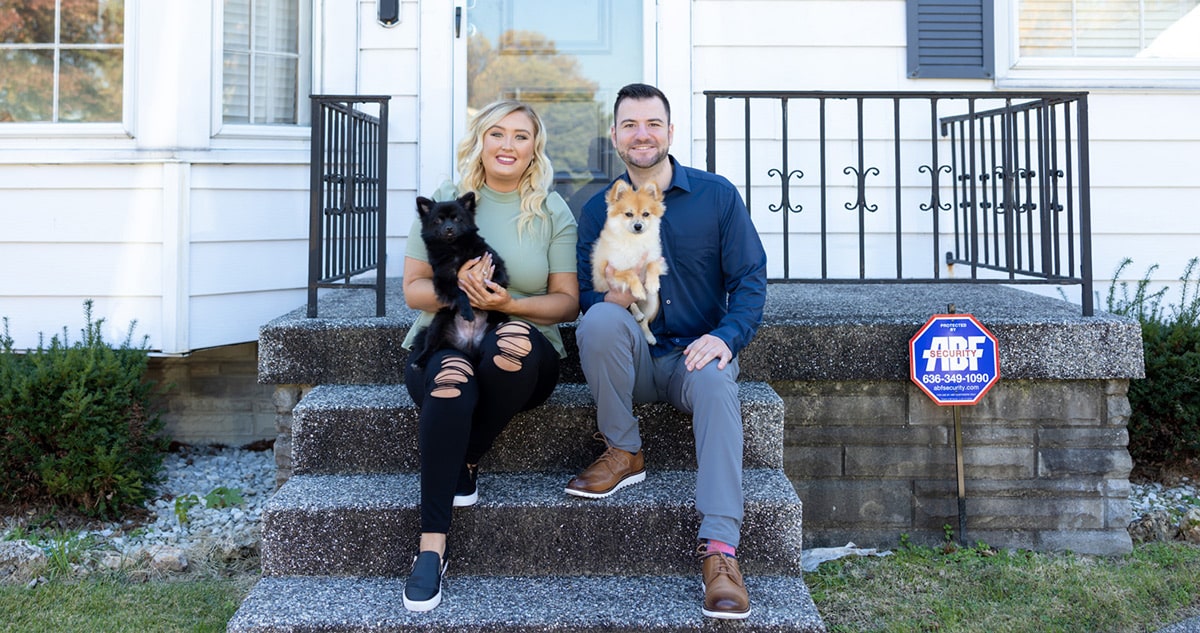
{"points": [[480, 267], [475, 280]]}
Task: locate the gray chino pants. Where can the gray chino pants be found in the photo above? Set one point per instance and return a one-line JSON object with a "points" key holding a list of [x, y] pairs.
{"points": [[620, 371]]}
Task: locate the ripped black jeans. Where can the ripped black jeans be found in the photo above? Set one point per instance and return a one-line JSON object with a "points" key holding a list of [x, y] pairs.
{"points": [[464, 407]]}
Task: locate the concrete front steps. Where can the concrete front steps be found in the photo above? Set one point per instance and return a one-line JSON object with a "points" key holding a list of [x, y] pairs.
{"points": [[339, 536]]}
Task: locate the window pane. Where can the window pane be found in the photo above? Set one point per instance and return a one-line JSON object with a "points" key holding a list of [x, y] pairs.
{"points": [[237, 25], [262, 61], [27, 22], [27, 92], [89, 88], [1110, 28], [1107, 28], [93, 21], [275, 27], [1046, 28], [274, 90], [235, 92], [1170, 36]]}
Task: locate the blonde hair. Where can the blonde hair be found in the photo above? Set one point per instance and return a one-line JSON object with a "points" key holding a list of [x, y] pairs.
{"points": [[538, 177]]}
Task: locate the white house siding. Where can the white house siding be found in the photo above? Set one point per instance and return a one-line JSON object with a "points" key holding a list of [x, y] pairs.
{"points": [[248, 249], [72, 232], [199, 233], [199, 254]]}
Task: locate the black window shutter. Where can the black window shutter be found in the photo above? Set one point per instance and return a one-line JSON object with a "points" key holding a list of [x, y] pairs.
{"points": [[950, 39]]}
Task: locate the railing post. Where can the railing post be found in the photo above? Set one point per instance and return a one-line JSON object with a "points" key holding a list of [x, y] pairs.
{"points": [[381, 213], [316, 146], [1085, 209]]}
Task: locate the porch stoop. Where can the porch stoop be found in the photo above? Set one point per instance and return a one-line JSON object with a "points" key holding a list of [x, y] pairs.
{"points": [[826, 402], [339, 536]]}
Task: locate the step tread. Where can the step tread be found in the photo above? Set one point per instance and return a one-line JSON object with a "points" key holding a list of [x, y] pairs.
{"points": [[402, 490], [574, 604], [372, 428], [524, 524], [366, 397]]}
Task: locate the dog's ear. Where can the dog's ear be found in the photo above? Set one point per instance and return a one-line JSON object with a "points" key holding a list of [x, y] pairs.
{"points": [[467, 200], [619, 188], [423, 206], [652, 189]]}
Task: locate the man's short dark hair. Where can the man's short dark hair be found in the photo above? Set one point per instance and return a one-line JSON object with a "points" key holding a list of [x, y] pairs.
{"points": [[639, 92]]}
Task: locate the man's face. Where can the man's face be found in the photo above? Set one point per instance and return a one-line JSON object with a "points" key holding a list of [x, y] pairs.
{"points": [[641, 133]]}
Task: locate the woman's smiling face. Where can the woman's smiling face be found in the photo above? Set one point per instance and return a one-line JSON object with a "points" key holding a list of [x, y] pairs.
{"points": [[507, 151]]}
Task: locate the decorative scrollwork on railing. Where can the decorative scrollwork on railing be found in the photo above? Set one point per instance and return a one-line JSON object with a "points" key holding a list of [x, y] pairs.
{"points": [[966, 203], [1007, 187], [786, 201], [1055, 205], [861, 203], [1027, 175], [983, 180], [935, 196]]}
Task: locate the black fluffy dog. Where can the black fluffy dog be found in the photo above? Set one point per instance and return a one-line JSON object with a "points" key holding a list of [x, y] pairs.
{"points": [[451, 238]]}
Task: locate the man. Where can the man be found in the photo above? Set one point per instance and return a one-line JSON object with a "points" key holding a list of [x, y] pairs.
{"points": [[711, 306]]}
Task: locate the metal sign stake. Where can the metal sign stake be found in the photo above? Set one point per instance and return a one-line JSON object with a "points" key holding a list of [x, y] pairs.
{"points": [[959, 468], [962, 488], [955, 361]]}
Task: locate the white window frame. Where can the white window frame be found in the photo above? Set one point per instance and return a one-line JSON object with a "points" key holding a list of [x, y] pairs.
{"points": [[109, 129], [1014, 71], [309, 26]]}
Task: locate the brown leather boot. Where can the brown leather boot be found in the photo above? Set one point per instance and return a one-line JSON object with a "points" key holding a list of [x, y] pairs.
{"points": [[725, 594], [612, 471]]}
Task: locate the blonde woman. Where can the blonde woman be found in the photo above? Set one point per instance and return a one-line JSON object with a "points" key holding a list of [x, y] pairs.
{"points": [[465, 405]]}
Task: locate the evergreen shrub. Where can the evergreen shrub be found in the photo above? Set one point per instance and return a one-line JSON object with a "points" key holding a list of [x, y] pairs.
{"points": [[78, 422], [1164, 425]]}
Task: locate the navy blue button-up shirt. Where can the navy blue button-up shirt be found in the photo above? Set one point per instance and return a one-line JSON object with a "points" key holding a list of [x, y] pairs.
{"points": [[717, 269]]}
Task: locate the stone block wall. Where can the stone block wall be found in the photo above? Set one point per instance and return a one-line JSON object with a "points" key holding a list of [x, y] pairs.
{"points": [[214, 396], [1045, 463]]}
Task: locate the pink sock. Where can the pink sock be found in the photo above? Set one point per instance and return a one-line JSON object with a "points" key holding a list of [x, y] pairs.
{"points": [[724, 548]]}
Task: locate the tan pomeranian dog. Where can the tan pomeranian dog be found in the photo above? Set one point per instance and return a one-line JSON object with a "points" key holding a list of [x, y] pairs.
{"points": [[629, 240]]}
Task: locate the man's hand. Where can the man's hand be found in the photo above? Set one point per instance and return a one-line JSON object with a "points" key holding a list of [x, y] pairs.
{"points": [[704, 349]]}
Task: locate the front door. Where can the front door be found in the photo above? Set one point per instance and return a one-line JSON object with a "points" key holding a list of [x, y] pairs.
{"points": [[566, 58]]}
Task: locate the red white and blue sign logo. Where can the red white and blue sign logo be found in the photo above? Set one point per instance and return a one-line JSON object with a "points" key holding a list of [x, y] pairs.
{"points": [[954, 359]]}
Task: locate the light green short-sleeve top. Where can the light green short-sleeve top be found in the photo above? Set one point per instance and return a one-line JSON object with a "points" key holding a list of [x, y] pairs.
{"points": [[546, 246]]}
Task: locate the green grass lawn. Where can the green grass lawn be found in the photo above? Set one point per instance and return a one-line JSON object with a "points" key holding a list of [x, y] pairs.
{"points": [[915, 589], [980, 589], [114, 604]]}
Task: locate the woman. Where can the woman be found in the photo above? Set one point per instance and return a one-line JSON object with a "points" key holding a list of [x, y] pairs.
{"points": [[464, 406]]}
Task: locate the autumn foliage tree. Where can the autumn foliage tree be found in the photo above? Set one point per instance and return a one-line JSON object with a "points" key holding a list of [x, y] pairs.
{"points": [[89, 45], [526, 65]]}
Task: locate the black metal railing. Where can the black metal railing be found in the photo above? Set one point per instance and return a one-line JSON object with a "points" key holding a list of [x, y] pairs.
{"points": [[868, 186], [347, 235]]}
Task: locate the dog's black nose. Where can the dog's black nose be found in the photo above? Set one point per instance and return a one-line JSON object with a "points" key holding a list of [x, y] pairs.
{"points": [[637, 228]]}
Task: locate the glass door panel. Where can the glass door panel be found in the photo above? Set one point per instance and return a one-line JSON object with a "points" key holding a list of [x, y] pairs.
{"points": [[566, 58]]}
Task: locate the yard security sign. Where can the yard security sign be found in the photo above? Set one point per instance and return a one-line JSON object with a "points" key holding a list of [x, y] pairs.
{"points": [[954, 359]]}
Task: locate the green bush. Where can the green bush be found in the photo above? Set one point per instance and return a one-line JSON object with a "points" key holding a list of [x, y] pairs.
{"points": [[78, 422], [1164, 425]]}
